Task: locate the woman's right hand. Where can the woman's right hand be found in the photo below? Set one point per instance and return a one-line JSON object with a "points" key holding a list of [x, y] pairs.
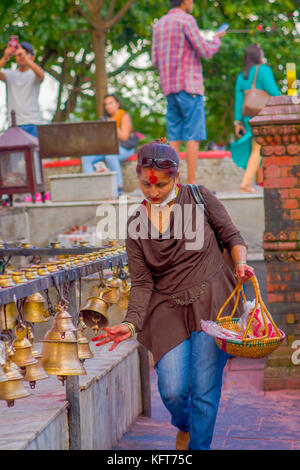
{"points": [[116, 334], [239, 130]]}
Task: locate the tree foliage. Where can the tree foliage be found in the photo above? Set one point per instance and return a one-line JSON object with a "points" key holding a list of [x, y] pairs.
{"points": [[62, 33]]}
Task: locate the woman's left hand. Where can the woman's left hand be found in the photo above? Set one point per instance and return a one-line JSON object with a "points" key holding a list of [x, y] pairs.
{"points": [[243, 272]]}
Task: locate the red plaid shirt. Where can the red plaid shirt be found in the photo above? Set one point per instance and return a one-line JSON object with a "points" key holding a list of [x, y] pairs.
{"points": [[177, 47]]}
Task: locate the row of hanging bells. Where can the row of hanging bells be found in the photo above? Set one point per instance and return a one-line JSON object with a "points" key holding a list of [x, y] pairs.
{"points": [[35, 311], [64, 346]]}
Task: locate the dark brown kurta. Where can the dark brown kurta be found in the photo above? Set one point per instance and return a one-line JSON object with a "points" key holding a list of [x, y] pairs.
{"points": [[166, 266]]}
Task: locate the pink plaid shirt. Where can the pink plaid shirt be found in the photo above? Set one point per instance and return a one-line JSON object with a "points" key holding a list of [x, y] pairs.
{"points": [[177, 47]]}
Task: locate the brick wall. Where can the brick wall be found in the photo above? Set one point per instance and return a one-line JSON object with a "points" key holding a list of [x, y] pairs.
{"points": [[277, 129]]}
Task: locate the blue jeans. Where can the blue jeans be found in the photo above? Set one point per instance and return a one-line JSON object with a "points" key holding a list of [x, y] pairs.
{"points": [[30, 128], [113, 162], [190, 383]]}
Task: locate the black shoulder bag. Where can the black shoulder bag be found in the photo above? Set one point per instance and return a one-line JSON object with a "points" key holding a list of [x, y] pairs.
{"points": [[200, 200]]}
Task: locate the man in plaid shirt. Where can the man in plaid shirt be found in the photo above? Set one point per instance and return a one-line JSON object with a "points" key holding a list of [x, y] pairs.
{"points": [[177, 47]]}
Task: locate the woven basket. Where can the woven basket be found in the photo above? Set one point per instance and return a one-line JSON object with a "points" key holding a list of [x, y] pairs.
{"points": [[250, 347]]}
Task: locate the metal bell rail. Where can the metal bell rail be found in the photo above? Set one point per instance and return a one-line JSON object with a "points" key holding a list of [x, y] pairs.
{"points": [[64, 276], [112, 257], [47, 251]]}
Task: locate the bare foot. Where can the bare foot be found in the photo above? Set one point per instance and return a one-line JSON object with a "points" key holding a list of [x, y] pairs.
{"points": [[247, 189]]}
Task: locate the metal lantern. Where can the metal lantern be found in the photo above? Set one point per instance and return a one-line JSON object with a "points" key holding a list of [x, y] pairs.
{"points": [[20, 163]]}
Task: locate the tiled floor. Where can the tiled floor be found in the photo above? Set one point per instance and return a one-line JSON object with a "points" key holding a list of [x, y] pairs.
{"points": [[249, 418]]}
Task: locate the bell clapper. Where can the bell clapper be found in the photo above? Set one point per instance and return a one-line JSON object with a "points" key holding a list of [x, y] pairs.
{"points": [[62, 379], [96, 329]]}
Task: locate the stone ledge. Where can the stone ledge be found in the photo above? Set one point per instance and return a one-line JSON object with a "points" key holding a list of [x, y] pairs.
{"points": [[39, 422], [110, 360], [44, 409], [76, 187]]}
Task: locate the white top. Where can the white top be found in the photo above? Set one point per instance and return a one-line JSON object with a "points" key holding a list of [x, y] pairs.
{"points": [[23, 96]]}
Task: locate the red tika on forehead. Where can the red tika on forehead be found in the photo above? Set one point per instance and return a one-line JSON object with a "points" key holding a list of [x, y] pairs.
{"points": [[153, 178]]}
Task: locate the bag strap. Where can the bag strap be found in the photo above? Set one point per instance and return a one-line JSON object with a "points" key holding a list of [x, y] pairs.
{"points": [[200, 200], [255, 76], [197, 195]]}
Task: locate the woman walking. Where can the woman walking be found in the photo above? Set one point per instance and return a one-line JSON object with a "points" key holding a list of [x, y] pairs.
{"points": [[245, 151], [175, 284]]}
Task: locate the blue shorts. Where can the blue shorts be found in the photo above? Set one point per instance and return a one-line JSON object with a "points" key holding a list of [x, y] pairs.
{"points": [[185, 117]]}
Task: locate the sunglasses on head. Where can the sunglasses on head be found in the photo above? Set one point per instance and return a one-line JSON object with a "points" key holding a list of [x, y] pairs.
{"points": [[162, 163]]}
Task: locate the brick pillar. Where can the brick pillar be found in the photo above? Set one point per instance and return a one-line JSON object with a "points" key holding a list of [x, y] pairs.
{"points": [[277, 129]]}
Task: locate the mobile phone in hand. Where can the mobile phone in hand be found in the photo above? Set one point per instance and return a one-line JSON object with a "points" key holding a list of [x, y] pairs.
{"points": [[13, 42], [223, 27]]}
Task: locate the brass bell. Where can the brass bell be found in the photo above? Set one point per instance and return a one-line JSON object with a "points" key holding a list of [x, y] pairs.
{"points": [[30, 335], [35, 309], [18, 277], [63, 320], [13, 388], [114, 285], [30, 273], [22, 355], [3, 356], [9, 317], [35, 372], [41, 269], [26, 245], [3, 376], [60, 265], [84, 351], [6, 280], [52, 267], [55, 244], [94, 313], [60, 348], [124, 295]]}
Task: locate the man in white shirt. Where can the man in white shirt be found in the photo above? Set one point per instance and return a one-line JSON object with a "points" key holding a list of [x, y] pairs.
{"points": [[22, 86]]}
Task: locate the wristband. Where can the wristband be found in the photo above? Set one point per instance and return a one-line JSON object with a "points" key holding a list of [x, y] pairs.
{"points": [[237, 123], [130, 326], [240, 262]]}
